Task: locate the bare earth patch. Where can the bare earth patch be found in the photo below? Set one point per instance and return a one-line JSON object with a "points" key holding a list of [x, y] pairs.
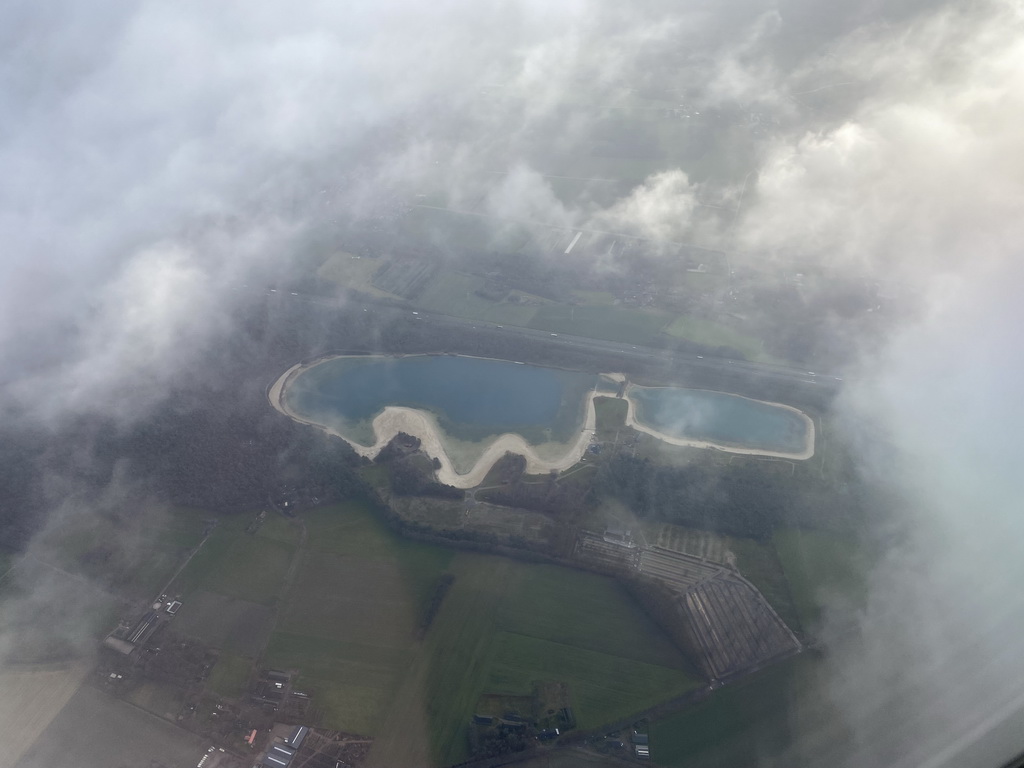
{"points": [[32, 697]]}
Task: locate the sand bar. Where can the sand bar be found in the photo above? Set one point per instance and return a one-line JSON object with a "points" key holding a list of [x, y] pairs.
{"points": [[423, 425]]}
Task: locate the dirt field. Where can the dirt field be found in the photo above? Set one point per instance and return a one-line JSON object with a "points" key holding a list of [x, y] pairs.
{"points": [[96, 731], [32, 698]]}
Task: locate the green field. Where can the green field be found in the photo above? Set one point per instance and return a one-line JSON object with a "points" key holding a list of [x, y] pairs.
{"points": [[603, 687], [248, 566], [230, 675], [352, 273], [739, 725], [454, 293], [378, 612], [352, 684], [239, 565], [149, 549], [231, 587], [507, 624], [352, 529], [280, 529], [819, 566], [581, 609], [759, 564], [611, 416], [636, 326], [351, 624], [714, 334], [594, 298]]}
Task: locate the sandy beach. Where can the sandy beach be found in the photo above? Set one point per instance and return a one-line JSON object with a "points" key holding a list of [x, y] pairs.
{"points": [[423, 425]]}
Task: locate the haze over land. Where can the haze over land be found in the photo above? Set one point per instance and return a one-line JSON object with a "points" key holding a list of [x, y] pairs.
{"points": [[165, 167]]}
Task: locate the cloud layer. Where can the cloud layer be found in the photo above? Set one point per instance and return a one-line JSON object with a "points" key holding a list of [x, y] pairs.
{"points": [[157, 157]]}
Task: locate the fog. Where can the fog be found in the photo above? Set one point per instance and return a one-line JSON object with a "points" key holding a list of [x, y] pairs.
{"points": [[163, 164]]}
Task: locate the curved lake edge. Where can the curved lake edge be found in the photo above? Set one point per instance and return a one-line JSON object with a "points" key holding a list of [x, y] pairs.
{"points": [[423, 425], [805, 453]]}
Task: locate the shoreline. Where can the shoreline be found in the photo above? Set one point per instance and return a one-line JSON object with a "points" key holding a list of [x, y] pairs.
{"points": [[423, 425], [806, 453]]}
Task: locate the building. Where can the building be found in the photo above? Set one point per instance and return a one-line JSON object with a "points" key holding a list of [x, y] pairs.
{"points": [[615, 534], [297, 736], [146, 626], [279, 755], [119, 644]]}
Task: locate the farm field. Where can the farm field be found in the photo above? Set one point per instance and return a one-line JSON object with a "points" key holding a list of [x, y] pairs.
{"points": [[229, 675], [231, 586], [100, 730], [350, 620], [714, 334], [160, 699], [83, 548], [454, 293], [237, 626], [349, 623], [90, 610], [352, 529], [33, 697], [239, 565], [506, 625], [819, 566], [690, 541], [623, 324], [751, 722], [354, 622], [603, 687], [352, 273], [758, 563], [352, 684]]}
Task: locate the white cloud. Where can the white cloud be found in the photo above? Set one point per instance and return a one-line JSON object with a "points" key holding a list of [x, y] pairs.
{"points": [[925, 174], [660, 209]]}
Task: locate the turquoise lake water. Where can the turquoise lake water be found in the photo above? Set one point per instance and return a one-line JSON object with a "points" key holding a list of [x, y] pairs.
{"points": [[472, 398], [720, 418]]}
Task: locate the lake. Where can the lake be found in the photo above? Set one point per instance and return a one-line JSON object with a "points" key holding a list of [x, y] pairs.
{"points": [[461, 404], [723, 419], [472, 398]]}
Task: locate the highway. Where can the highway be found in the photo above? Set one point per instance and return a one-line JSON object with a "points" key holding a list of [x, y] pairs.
{"points": [[386, 312]]}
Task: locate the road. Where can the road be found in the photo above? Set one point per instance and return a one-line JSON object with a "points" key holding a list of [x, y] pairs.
{"points": [[387, 312]]}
